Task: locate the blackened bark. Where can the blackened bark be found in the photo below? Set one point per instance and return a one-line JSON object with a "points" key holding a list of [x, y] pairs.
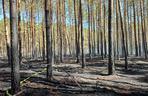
{"points": [[111, 69], [15, 75], [48, 25], [123, 38], [82, 34]]}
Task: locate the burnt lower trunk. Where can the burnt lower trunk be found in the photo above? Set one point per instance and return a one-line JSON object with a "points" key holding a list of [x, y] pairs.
{"points": [[43, 41], [15, 75], [82, 34], [117, 31], [111, 69], [48, 25], [123, 38], [76, 32]]}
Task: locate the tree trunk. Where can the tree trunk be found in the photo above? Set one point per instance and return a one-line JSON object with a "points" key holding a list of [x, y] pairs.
{"points": [[15, 75], [48, 25], [6, 33], [143, 31], [104, 40], [123, 38], [111, 69], [89, 31], [19, 32], [135, 31], [82, 34]]}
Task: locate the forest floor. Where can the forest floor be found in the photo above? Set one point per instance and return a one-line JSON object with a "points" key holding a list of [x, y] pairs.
{"points": [[70, 79]]}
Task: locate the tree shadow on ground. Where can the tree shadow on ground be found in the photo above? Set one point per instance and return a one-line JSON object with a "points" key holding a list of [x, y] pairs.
{"points": [[133, 69], [3, 63], [5, 77], [97, 64], [143, 79], [37, 92]]}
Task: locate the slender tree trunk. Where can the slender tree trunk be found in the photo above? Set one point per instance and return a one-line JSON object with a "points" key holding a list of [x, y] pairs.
{"points": [[135, 31], [34, 49], [15, 75], [43, 41], [60, 32], [139, 34], [19, 32], [123, 38], [6, 33], [117, 30], [143, 31], [48, 25], [82, 34], [94, 31], [105, 47], [125, 25], [111, 69], [101, 32], [98, 14], [63, 32], [76, 32], [89, 30], [130, 32]]}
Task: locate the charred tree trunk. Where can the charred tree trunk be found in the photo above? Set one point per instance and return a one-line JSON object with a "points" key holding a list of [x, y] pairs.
{"points": [[111, 69], [123, 37], [15, 66], [82, 34], [48, 25]]}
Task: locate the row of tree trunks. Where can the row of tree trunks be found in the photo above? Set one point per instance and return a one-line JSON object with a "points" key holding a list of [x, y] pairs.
{"points": [[15, 51], [131, 29]]}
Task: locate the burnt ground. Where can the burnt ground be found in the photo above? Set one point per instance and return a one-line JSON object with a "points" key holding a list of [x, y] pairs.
{"points": [[71, 80]]}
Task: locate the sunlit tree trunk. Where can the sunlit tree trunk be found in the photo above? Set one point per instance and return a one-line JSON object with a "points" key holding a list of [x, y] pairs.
{"points": [[34, 47], [98, 15], [76, 33], [143, 31], [135, 31], [125, 25], [104, 34], [19, 32], [89, 30], [139, 33], [6, 33], [123, 37]]}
